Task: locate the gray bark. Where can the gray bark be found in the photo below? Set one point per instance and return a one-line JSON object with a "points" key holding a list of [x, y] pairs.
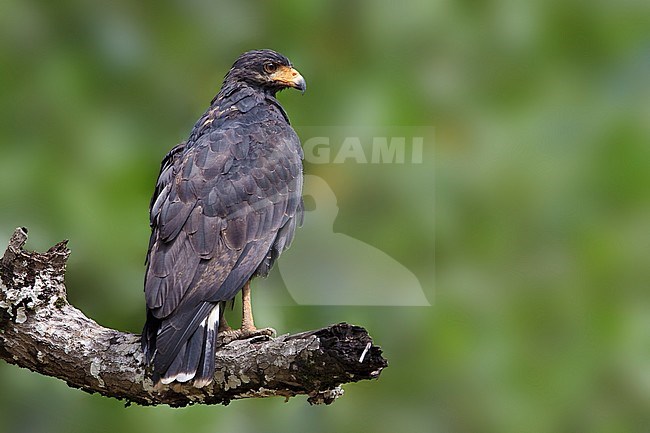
{"points": [[41, 331]]}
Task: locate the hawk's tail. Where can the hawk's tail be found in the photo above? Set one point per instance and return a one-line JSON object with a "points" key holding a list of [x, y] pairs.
{"points": [[194, 359]]}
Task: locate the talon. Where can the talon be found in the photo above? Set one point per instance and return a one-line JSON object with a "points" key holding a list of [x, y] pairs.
{"points": [[231, 335], [270, 332]]}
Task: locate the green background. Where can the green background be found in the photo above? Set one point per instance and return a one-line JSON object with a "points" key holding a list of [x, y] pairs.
{"points": [[536, 193]]}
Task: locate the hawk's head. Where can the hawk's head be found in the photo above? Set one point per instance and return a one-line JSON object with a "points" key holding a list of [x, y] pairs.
{"points": [[266, 69]]}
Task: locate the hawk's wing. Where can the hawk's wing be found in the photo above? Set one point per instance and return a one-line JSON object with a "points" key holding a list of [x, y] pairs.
{"points": [[224, 207]]}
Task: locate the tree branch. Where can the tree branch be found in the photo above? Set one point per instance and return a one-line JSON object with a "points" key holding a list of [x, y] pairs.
{"points": [[41, 331]]}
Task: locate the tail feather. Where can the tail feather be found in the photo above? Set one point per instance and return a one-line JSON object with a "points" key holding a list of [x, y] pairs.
{"points": [[193, 352], [175, 371], [148, 342], [175, 331], [195, 357], [183, 368], [205, 370]]}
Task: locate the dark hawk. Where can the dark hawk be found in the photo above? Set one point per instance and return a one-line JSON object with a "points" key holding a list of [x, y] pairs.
{"points": [[226, 204]]}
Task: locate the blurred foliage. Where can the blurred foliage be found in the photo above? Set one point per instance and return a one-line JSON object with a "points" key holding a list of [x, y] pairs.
{"points": [[541, 316]]}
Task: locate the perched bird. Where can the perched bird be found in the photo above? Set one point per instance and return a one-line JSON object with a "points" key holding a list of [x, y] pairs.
{"points": [[226, 204]]}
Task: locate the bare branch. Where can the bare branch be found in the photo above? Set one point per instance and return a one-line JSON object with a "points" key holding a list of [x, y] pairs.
{"points": [[41, 331]]}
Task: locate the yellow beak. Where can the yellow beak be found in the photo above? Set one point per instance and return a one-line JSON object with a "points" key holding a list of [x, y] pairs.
{"points": [[290, 77]]}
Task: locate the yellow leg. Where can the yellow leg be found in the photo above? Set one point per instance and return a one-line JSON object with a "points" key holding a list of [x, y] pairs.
{"points": [[248, 328], [247, 323]]}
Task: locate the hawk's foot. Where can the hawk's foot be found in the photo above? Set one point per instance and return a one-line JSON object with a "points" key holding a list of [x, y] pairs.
{"points": [[228, 335]]}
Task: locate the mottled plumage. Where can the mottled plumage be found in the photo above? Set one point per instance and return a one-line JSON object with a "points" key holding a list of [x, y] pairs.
{"points": [[226, 204]]}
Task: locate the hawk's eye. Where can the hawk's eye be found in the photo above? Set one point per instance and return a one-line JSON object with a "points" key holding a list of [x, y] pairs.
{"points": [[270, 67]]}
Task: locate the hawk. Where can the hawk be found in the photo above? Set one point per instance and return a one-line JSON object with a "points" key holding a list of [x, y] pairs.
{"points": [[226, 204]]}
